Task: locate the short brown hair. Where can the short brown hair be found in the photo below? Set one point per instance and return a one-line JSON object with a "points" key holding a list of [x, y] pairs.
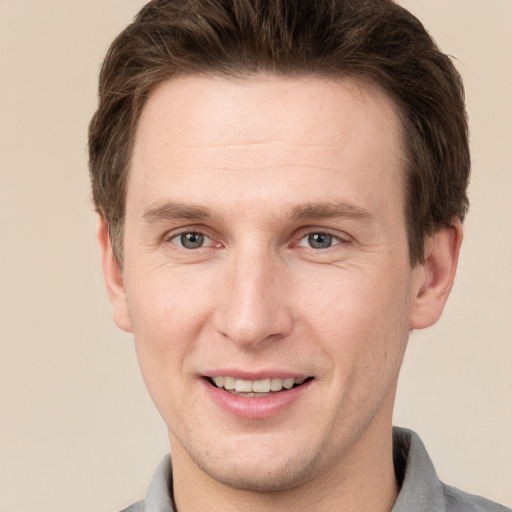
{"points": [[373, 40]]}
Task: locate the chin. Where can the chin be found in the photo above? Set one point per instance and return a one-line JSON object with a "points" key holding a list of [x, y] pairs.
{"points": [[255, 477], [261, 466]]}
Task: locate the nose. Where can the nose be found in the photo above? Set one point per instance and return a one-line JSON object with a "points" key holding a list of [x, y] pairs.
{"points": [[252, 305]]}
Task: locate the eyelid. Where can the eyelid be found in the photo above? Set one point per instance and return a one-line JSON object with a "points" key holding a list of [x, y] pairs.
{"points": [[174, 233], [341, 238]]}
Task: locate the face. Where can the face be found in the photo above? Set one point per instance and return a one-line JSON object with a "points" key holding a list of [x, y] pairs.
{"points": [[266, 274]]}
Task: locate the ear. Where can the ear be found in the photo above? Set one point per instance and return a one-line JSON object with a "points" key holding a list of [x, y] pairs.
{"points": [[113, 278], [437, 276]]}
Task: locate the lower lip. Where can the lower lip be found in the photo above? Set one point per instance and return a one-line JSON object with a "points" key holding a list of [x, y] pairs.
{"points": [[260, 407]]}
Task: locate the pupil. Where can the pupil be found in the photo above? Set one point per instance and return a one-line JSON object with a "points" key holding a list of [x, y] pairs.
{"points": [[192, 240], [320, 240]]}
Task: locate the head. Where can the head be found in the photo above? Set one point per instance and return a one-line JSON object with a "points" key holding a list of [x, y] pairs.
{"points": [[281, 186], [372, 41]]}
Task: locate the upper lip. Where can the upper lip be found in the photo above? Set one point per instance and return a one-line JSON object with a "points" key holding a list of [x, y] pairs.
{"points": [[255, 375]]}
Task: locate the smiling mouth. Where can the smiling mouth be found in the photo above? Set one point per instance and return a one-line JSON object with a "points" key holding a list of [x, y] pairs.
{"points": [[256, 388]]}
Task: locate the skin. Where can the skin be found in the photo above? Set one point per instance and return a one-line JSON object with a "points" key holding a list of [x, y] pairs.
{"points": [[272, 161]]}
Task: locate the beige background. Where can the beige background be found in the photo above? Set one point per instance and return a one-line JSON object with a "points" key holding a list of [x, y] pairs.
{"points": [[78, 432]]}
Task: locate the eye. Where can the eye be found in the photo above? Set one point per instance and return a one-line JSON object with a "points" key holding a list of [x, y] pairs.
{"points": [[191, 240], [319, 240]]}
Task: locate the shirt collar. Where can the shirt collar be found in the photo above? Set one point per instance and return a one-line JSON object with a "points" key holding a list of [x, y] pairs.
{"points": [[421, 489], [159, 497]]}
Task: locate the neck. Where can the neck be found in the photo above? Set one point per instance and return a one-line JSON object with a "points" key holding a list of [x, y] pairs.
{"points": [[363, 480]]}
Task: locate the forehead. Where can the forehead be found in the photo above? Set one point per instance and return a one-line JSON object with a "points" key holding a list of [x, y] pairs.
{"points": [[265, 135], [227, 110]]}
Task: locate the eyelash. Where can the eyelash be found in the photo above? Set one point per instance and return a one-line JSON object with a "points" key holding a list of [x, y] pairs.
{"points": [[338, 239], [169, 237]]}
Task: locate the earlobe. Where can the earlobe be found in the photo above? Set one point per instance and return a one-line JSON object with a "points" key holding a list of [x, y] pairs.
{"points": [[113, 277], [437, 276]]}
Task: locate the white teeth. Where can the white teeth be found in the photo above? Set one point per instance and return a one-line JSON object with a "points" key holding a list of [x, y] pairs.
{"points": [[288, 383], [261, 386], [256, 386], [229, 383], [243, 386], [276, 384]]}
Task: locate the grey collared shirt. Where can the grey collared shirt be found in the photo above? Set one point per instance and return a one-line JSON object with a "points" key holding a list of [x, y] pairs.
{"points": [[421, 490]]}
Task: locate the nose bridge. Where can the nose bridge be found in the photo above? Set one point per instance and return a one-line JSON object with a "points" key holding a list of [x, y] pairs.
{"points": [[252, 307]]}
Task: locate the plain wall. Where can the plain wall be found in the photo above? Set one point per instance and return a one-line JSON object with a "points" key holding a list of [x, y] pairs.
{"points": [[77, 429]]}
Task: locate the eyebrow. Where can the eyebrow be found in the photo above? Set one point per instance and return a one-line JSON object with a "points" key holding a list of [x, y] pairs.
{"points": [[336, 209], [174, 210]]}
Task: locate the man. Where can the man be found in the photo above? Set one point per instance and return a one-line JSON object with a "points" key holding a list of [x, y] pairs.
{"points": [[281, 186]]}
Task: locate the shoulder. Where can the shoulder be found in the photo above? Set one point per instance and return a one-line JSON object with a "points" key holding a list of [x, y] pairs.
{"points": [[136, 507], [460, 501], [421, 490]]}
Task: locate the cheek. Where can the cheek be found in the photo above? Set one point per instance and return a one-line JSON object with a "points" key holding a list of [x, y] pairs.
{"points": [[167, 313], [360, 319], [166, 304]]}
